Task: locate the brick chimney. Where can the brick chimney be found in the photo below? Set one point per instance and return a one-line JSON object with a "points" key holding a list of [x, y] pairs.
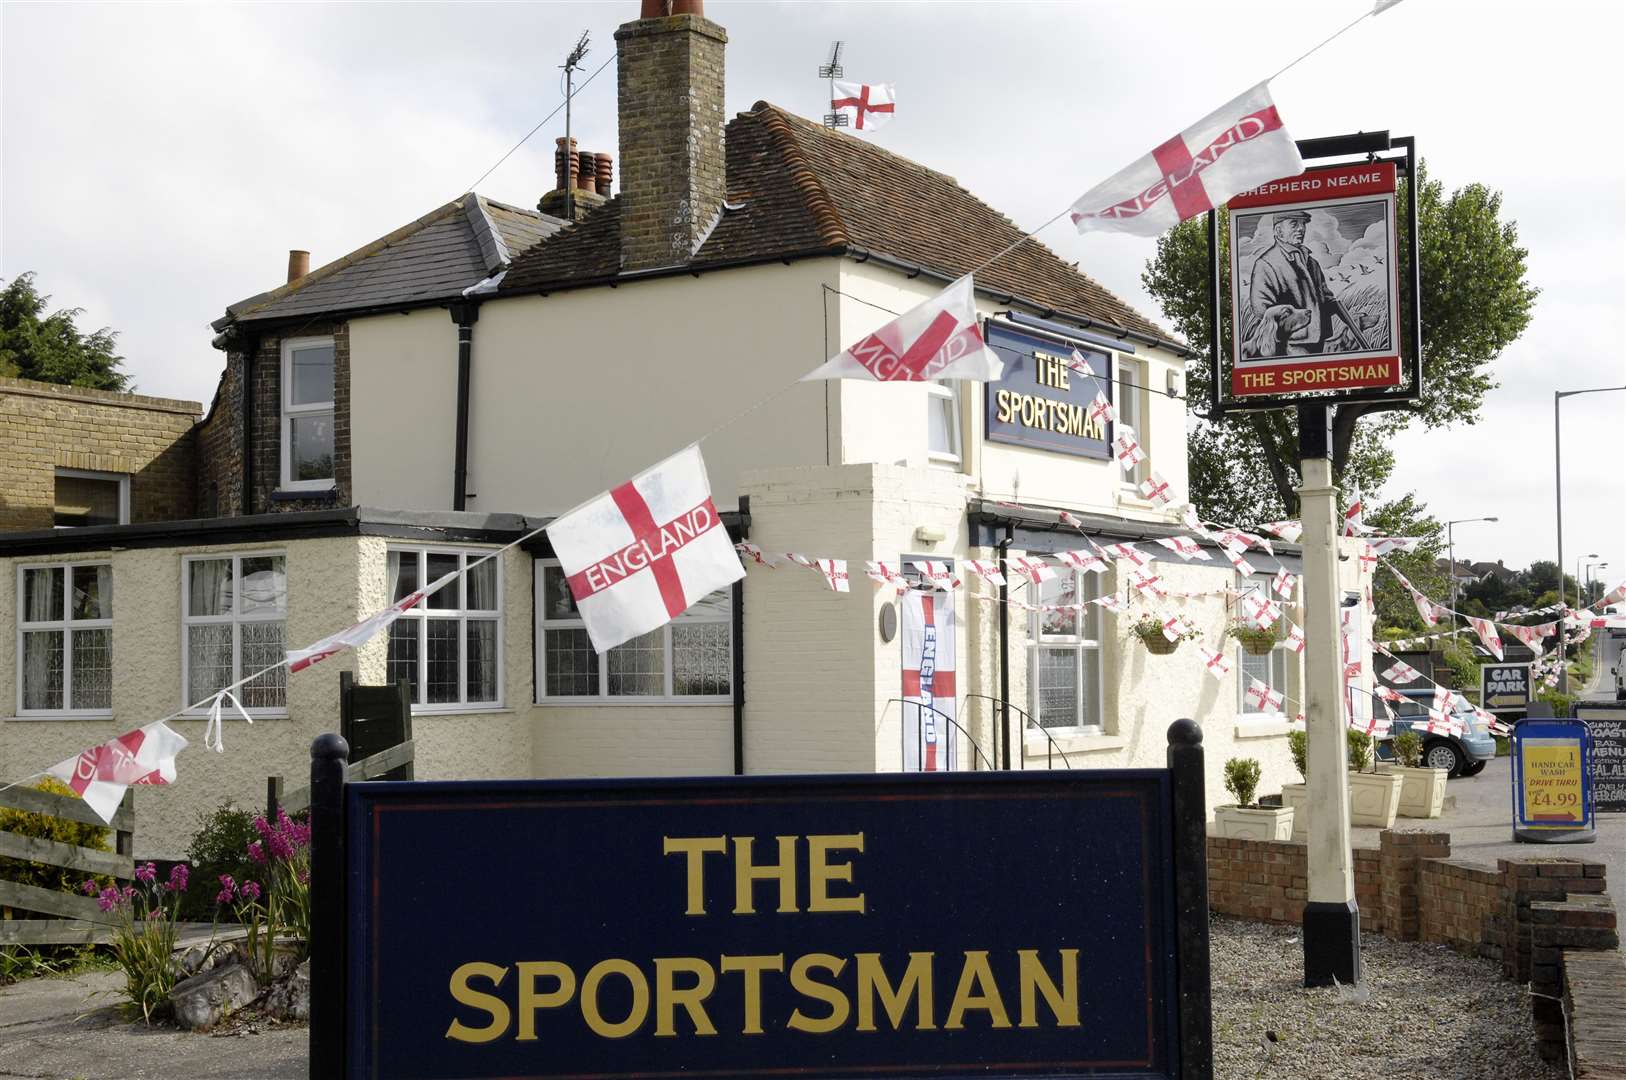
{"points": [[671, 123], [585, 175]]}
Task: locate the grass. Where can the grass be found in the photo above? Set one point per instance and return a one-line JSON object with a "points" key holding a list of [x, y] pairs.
{"points": [[19, 962]]}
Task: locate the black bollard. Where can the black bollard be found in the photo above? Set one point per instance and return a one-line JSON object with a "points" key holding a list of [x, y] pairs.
{"points": [[330, 754], [1185, 760]]}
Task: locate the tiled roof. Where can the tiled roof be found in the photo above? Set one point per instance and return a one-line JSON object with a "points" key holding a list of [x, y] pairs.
{"points": [[805, 189], [436, 257]]}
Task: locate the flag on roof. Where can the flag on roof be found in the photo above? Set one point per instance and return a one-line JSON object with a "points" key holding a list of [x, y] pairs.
{"points": [[866, 106]]}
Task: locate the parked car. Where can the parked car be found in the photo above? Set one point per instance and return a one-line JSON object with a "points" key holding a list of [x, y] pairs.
{"points": [[1463, 755]]}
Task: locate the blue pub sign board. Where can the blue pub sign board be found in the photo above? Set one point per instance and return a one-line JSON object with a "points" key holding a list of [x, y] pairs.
{"points": [[992, 924], [1043, 403]]}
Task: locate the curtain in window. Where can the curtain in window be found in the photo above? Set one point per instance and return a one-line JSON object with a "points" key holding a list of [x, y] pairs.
{"points": [[482, 585], [209, 590], [42, 650]]}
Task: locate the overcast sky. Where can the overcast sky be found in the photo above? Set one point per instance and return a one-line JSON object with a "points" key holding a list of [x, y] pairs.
{"points": [[160, 160]]}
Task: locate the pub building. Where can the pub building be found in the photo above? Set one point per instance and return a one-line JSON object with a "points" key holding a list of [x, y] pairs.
{"points": [[457, 383]]}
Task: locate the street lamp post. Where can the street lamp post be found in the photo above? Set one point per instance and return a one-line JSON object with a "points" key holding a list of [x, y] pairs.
{"points": [[1558, 523], [1451, 554], [1586, 590], [1578, 558]]}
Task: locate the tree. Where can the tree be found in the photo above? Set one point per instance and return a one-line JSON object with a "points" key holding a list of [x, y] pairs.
{"points": [[1397, 615], [1475, 302], [51, 348]]}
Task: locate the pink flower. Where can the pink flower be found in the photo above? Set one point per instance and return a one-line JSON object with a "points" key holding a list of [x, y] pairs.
{"points": [[155, 913], [256, 852], [303, 874], [90, 888], [280, 847], [129, 893], [107, 898], [179, 874], [227, 888], [147, 873], [250, 889]]}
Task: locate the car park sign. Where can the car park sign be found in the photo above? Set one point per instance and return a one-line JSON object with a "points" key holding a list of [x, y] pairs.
{"points": [[1504, 687]]}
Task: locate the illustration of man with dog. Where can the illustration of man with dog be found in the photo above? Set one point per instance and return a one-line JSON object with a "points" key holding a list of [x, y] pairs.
{"points": [[1290, 309]]}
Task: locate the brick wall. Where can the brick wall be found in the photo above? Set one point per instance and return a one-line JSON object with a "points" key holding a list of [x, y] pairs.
{"points": [[1461, 905], [44, 427], [220, 438], [1594, 998], [1400, 857]]}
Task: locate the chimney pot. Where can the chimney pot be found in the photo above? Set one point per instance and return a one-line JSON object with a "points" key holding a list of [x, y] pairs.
{"points": [[603, 173], [586, 171], [660, 9], [299, 264], [564, 164]]}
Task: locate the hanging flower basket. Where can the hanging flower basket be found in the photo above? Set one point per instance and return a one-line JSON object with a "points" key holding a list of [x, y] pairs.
{"points": [[1150, 631], [1157, 644], [1255, 641]]}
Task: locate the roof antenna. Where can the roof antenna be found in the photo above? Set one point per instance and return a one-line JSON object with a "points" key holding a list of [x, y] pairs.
{"points": [[833, 71], [572, 62]]}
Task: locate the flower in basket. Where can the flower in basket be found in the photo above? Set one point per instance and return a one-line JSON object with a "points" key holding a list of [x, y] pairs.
{"points": [[1162, 634], [1255, 640]]}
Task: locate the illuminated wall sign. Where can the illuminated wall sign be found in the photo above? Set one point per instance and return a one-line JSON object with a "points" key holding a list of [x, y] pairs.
{"points": [[996, 924], [1041, 402]]}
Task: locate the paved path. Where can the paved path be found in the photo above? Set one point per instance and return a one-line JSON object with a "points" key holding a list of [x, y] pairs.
{"points": [[67, 1029]]}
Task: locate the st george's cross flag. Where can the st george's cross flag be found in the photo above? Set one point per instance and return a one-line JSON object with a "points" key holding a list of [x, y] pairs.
{"points": [[1235, 148], [637, 556], [100, 775], [866, 106], [359, 634], [938, 338]]}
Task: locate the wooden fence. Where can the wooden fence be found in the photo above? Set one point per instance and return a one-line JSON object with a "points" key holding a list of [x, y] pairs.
{"points": [[80, 921], [366, 769]]}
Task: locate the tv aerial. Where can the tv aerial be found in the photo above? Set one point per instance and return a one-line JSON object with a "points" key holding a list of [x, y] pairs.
{"points": [[831, 71]]}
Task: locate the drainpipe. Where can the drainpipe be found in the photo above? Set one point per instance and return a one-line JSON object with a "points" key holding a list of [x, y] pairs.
{"points": [[737, 593], [1004, 650], [465, 316], [251, 345]]}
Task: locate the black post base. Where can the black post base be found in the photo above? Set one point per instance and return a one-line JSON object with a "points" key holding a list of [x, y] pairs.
{"points": [[1332, 943]]}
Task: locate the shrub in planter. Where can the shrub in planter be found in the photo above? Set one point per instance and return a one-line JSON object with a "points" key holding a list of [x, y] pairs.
{"points": [[1359, 744], [1422, 791], [1374, 798], [1255, 640], [1297, 795], [1149, 628], [1246, 819], [1298, 745], [1408, 748], [1242, 780]]}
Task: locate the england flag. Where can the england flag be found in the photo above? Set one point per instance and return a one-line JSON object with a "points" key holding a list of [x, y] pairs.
{"points": [[639, 555], [939, 338], [101, 774]]}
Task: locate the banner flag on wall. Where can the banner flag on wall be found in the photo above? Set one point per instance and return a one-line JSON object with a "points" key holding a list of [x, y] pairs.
{"points": [[1238, 146], [927, 637], [639, 555], [100, 775], [936, 339]]}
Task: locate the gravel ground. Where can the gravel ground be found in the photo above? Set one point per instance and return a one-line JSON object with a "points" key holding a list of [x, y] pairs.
{"points": [[1429, 1014]]}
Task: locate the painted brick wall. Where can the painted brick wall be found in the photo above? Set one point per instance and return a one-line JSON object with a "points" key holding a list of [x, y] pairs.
{"points": [[44, 427]]}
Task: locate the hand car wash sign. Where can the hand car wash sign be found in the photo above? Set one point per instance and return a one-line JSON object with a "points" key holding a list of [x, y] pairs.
{"points": [[999, 924]]}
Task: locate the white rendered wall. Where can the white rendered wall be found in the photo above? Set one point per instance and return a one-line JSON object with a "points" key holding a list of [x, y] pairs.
{"points": [[403, 409]]}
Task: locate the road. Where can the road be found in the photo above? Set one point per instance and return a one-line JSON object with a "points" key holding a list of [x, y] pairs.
{"points": [[1608, 652]]}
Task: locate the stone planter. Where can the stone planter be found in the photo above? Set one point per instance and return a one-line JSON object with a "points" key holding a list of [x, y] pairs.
{"points": [[1374, 798], [1422, 791], [1296, 797], [1254, 823]]}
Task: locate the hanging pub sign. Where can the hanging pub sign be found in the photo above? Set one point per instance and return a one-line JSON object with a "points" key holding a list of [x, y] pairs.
{"points": [[1044, 399], [764, 926], [1315, 283], [1504, 687]]}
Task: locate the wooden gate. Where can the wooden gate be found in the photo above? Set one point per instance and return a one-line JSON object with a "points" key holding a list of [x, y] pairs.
{"points": [[78, 920]]}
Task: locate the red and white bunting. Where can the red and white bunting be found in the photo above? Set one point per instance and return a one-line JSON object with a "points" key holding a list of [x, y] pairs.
{"points": [[1283, 584], [1261, 611], [1155, 489], [1531, 636], [1239, 145], [1069, 520], [834, 572], [1383, 545], [1261, 696], [1400, 673], [1613, 596], [1353, 669], [1295, 638], [100, 775], [637, 556], [755, 554], [1077, 362], [1488, 635], [866, 106], [1111, 603], [988, 571], [1214, 663], [1389, 693], [1101, 410], [1354, 514], [1127, 448], [1185, 547], [1134, 555], [936, 339], [937, 573], [802, 560], [1286, 530], [885, 573], [1427, 609], [1081, 559], [1148, 584], [1036, 571], [1243, 566], [1368, 559], [362, 632]]}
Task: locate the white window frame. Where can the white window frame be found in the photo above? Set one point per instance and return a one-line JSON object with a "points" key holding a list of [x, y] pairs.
{"points": [[122, 479], [236, 619], [937, 391], [289, 411], [1129, 381], [1079, 644], [1244, 708], [604, 698], [64, 626], [422, 613]]}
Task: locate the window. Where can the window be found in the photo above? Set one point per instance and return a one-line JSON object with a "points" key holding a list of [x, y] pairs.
{"points": [[690, 659], [1066, 660], [943, 422], [307, 414], [65, 639], [233, 614], [449, 647], [91, 498], [1131, 407], [1271, 670]]}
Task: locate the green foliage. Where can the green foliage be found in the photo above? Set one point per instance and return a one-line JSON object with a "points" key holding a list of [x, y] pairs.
{"points": [[1298, 746], [1459, 659], [50, 348], [1359, 744], [1242, 779], [1475, 302], [1560, 702], [1256, 640], [1408, 747], [143, 945], [45, 827], [1406, 516], [219, 846]]}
